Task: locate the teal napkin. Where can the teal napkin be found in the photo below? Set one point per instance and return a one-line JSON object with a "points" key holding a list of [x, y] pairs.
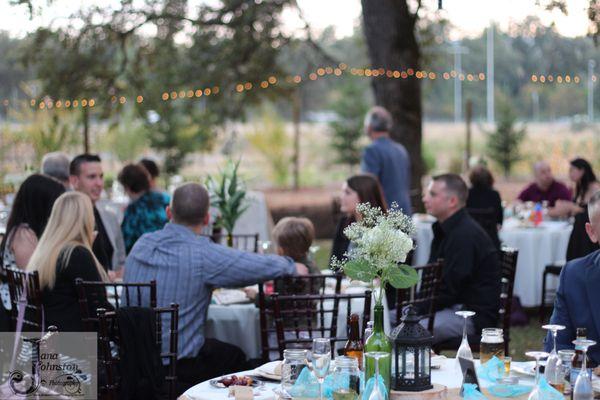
{"points": [[307, 384], [470, 392], [505, 390], [371, 385], [491, 370]]}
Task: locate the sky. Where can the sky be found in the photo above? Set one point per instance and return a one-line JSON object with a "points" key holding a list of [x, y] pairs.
{"points": [[469, 17]]}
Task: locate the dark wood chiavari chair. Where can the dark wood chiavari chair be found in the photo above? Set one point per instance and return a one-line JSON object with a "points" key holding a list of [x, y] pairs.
{"points": [[24, 287], [301, 318], [423, 295], [308, 284], [109, 359], [118, 294]]}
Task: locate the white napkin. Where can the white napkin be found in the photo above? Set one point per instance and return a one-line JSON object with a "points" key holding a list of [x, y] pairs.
{"points": [[230, 296], [271, 368]]}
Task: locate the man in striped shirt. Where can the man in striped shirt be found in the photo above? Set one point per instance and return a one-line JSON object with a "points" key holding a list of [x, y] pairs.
{"points": [[187, 267]]}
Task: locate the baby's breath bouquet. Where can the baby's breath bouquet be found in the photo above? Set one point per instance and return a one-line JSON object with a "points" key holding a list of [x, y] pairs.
{"points": [[380, 243]]}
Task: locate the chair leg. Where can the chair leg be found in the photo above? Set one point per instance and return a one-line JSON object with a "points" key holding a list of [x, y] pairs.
{"points": [[542, 312]]}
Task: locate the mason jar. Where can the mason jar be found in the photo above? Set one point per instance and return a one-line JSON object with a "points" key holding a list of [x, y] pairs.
{"points": [[346, 379], [492, 344], [294, 361]]}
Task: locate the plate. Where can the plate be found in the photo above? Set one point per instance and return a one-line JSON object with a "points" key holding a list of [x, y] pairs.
{"points": [[216, 383]]}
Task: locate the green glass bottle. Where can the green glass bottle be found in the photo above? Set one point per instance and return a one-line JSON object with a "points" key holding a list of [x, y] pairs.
{"points": [[378, 341]]}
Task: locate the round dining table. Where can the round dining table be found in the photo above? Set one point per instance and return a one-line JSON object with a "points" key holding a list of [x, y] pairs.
{"points": [[448, 375]]}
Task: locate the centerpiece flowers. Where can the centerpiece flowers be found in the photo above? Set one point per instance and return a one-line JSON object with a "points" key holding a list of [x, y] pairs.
{"points": [[380, 243]]}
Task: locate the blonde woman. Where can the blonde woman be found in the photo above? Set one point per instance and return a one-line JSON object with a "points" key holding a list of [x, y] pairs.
{"points": [[64, 253]]}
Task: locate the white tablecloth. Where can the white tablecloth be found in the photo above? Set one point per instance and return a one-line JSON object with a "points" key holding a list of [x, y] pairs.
{"points": [[239, 324], [448, 375], [537, 247]]}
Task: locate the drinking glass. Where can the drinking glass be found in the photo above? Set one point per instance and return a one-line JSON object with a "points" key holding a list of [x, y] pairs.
{"points": [[566, 357], [321, 358], [464, 351], [554, 369], [583, 386], [538, 355], [376, 393]]}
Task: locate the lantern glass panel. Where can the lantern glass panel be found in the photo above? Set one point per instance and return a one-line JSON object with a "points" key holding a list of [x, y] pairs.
{"points": [[410, 363], [424, 364]]}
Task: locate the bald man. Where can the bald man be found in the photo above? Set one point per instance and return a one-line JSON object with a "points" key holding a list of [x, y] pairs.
{"points": [[545, 187]]}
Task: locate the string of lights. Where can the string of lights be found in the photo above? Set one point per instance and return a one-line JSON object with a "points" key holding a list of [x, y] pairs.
{"points": [[48, 103]]}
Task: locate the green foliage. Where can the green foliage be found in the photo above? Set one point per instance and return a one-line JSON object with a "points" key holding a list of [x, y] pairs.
{"points": [[45, 132], [271, 141], [127, 136], [429, 158], [503, 144], [228, 195], [350, 106]]}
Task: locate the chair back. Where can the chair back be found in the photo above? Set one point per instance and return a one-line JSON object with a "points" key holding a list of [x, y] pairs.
{"points": [[508, 266], [25, 287], [486, 218], [424, 294], [108, 334], [92, 293], [245, 242], [307, 284], [301, 318]]}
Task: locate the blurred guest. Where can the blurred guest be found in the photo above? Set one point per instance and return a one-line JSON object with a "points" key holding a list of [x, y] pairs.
{"points": [[387, 159], [482, 196], [146, 211], [153, 173], [586, 185], [189, 266], [26, 222], [28, 217], [86, 176], [582, 174], [545, 187], [56, 165], [362, 188], [578, 298], [471, 275], [63, 254]]}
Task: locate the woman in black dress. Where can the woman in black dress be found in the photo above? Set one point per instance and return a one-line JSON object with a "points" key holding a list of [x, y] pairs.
{"points": [[362, 188], [63, 254], [484, 203]]}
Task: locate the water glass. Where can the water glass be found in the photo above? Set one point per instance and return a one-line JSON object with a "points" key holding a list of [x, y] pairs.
{"points": [[294, 361]]}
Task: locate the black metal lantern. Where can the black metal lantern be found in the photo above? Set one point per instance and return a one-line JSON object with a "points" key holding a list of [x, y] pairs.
{"points": [[411, 363]]}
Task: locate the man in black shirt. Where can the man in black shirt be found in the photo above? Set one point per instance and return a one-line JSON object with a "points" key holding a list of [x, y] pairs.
{"points": [[86, 176], [471, 276]]}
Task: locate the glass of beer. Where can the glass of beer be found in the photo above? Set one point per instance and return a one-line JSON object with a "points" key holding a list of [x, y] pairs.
{"points": [[492, 344]]}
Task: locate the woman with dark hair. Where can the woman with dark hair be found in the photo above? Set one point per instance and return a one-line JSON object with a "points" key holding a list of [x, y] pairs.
{"points": [[581, 173], [146, 211], [362, 188], [26, 223], [484, 203]]}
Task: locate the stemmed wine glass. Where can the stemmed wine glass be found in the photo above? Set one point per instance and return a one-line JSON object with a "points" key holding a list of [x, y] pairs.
{"points": [[464, 350], [376, 393], [538, 355], [583, 386], [321, 358], [554, 369]]}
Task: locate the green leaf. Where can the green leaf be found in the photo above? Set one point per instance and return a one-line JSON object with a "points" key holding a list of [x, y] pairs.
{"points": [[402, 277], [360, 270]]}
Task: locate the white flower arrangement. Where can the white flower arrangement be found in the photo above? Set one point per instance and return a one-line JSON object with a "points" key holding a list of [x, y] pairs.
{"points": [[380, 244]]}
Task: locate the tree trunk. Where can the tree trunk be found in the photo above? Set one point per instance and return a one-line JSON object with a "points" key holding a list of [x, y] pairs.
{"points": [[86, 131], [389, 28]]}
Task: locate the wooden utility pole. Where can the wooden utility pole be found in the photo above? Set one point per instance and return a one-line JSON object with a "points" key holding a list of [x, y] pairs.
{"points": [[296, 110], [468, 118], [86, 131]]}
